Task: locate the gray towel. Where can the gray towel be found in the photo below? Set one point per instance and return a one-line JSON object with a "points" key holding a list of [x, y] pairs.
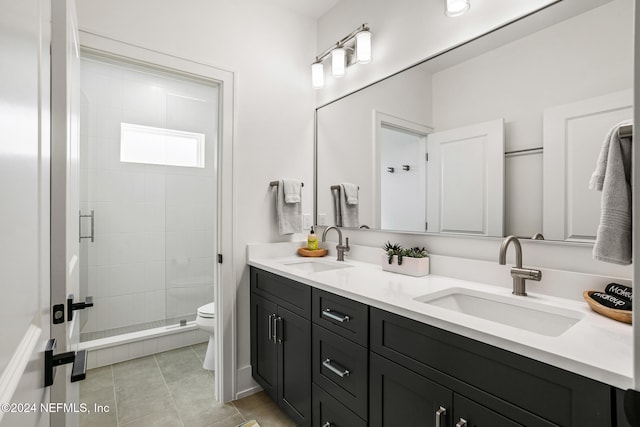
{"points": [[350, 193], [289, 214], [613, 177], [335, 194], [349, 212]]}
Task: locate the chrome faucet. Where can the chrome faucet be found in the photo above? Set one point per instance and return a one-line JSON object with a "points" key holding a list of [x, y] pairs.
{"points": [[518, 273], [340, 248]]}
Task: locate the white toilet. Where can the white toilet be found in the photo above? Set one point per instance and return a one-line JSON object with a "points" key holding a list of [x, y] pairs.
{"points": [[206, 320]]}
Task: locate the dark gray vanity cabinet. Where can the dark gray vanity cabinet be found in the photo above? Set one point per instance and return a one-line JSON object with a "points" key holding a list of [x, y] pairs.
{"points": [[281, 342], [488, 386], [331, 361], [339, 360]]}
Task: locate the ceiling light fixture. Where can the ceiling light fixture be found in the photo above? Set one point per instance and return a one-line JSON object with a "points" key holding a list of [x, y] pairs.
{"points": [[352, 49], [453, 8]]}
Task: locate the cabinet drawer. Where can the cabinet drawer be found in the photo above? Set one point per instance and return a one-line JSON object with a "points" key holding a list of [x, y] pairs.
{"points": [[558, 396], [343, 316], [327, 409], [341, 368], [285, 292]]}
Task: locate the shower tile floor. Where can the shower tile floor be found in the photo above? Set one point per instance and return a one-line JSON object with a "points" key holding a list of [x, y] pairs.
{"points": [[169, 389]]}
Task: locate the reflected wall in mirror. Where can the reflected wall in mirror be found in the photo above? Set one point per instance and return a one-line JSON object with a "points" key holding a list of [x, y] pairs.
{"points": [[520, 76]]}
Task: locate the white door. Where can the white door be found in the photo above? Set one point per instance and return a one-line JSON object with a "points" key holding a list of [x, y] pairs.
{"points": [[24, 210], [465, 180], [65, 136], [573, 135]]}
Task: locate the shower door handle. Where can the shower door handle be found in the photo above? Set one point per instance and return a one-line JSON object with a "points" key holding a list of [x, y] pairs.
{"points": [[92, 216], [72, 306]]}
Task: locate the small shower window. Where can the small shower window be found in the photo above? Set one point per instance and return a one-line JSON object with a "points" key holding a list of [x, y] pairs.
{"points": [[160, 146]]}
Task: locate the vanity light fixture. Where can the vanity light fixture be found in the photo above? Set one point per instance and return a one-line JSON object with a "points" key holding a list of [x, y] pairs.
{"points": [[354, 48], [453, 8], [317, 75], [338, 62]]}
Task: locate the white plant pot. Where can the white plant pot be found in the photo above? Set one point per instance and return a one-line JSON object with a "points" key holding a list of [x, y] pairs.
{"points": [[410, 266]]}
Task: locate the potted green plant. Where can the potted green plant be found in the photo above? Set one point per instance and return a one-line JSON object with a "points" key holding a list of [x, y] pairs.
{"points": [[411, 261]]}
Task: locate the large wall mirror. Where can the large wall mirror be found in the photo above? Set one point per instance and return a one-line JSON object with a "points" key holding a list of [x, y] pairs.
{"points": [[498, 136]]}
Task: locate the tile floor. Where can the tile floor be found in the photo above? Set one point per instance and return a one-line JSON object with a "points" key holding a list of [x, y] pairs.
{"points": [[169, 389]]}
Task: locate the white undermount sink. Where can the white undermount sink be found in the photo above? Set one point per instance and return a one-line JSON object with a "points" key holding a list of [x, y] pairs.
{"points": [[514, 311], [316, 266]]}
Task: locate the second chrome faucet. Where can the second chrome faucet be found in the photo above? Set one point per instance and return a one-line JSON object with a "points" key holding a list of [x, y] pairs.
{"points": [[518, 273]]}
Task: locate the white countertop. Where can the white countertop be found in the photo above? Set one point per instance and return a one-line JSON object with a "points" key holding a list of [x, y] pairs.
{"points": [[595, 347]]}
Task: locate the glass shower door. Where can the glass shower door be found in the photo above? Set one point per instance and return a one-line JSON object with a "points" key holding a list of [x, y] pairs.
{"points": [[148, 169]]}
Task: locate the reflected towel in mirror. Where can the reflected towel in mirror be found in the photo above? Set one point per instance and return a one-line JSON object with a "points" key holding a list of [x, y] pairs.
{"points": [[349, 212], [613, 177]]}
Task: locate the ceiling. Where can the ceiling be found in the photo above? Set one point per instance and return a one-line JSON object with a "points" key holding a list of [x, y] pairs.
{"points": [[311, 8]]}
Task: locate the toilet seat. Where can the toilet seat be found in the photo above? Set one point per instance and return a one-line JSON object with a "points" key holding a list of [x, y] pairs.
{"points": [[207, 311]]}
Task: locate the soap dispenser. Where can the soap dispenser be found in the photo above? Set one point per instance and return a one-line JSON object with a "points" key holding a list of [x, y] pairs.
{"points": [[312, 240]]}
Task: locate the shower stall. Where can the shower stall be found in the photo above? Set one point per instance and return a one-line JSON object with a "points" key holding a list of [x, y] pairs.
{"points": [[147, 217]]}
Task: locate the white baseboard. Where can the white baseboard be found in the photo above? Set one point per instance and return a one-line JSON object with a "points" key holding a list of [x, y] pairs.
{"points": [[245, 385], [248, 392]]}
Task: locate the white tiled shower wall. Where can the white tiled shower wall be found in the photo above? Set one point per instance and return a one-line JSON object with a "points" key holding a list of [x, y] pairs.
{"points": [[153, 254]]}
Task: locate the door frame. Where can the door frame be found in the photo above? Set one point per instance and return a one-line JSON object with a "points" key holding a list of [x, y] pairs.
{"points": [[225, 295], [381, 120]]}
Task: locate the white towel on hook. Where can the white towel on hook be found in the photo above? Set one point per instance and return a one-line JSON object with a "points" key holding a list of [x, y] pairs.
{"points": [[292, 190], [289, 215], [613, 177], [349, 212]]}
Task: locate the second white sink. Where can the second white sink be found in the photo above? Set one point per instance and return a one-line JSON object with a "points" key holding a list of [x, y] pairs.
{"points": [[517, 312]]}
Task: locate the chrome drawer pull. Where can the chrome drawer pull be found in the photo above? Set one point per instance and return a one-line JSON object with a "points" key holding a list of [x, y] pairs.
{"points": [[271, 327], [327, 424], [335, 316], [462, 423], [338, 370], [439, 414]]}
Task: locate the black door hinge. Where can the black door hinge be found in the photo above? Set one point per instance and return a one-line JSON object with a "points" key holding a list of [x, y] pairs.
{"points": [[219, 258]]}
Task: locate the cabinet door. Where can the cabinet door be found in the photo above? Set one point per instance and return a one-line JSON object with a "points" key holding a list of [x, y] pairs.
{"points": [[294, 364], [400, 397], [468, 413], [264, 351]]}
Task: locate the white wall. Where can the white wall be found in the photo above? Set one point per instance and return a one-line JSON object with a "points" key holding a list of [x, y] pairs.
{"points": [[406, 32], [269, 49]]}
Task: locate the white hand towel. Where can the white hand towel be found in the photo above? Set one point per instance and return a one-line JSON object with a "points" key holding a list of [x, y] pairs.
{"points": [[351, 193], [613, 176], [292, 190], [348, 212], [289, 215]]}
